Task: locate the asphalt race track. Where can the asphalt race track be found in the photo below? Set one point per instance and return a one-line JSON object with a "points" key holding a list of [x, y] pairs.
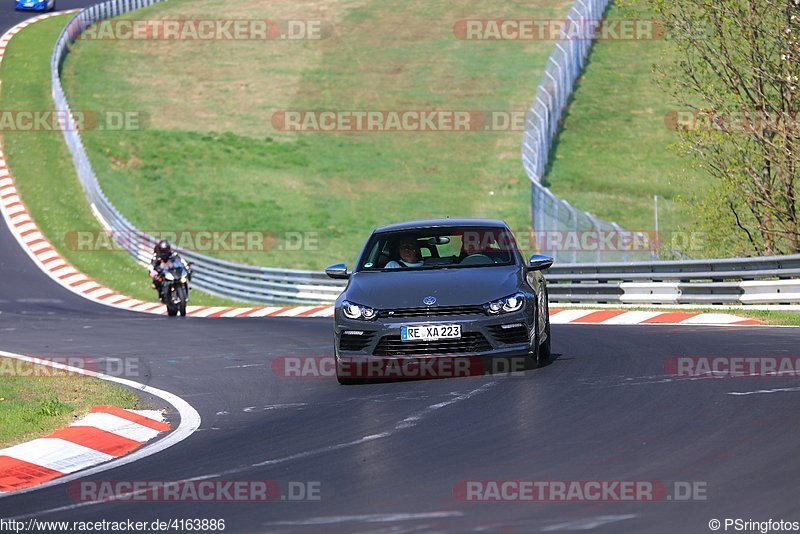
{"points": [[389, 456]]}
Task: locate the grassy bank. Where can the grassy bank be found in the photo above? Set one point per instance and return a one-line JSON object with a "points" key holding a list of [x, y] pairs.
{"points": [[614, 153], [43, 170], [211, 158], [36, 400]]}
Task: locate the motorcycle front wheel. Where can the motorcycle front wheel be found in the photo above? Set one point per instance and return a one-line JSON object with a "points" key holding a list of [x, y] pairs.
{"points": [[181, 295]]}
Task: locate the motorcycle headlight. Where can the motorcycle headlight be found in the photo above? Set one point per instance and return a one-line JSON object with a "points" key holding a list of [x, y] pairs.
{"points": [[169, 276], [357, 311], [508, 304]]}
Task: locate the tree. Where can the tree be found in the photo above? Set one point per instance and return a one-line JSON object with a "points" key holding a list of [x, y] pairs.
{"points": [[738, 70]]}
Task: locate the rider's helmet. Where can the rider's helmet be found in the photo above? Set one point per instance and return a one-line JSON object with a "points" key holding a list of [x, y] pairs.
{"points": [[163, 250]]}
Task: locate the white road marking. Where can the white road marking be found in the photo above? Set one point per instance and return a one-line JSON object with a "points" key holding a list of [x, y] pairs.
{"points": [[315, 452], [632, 317], [713, 318], [415, 418], [368, 518], [762, 391], [189, 422], [588, 523], [119, 426], [568, 316], [56, 454], [251, 409]]}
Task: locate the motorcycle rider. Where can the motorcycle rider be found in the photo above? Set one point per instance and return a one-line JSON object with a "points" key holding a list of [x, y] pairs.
{"points": [[163, 255]]}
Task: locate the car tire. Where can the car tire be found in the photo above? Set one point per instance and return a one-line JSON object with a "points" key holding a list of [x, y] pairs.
{"points": [[533, 353], [544, 353], [343, 380], [346, 381], [541, 352], [545, 349]]}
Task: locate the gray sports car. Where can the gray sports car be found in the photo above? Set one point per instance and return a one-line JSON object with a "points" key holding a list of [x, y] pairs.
{"points": [[439, 289]]}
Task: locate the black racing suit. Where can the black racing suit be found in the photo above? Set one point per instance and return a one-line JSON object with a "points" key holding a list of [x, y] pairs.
{"points": [[157, 265]]}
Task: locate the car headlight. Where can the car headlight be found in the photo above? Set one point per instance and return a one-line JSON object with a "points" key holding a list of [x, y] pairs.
{"points": [[357, 311], [508, 304]]}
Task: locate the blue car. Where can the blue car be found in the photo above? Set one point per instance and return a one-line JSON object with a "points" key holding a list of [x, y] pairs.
{"points": [[35, 5]]}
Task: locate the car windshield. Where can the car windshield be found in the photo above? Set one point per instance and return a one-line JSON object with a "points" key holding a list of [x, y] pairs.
{"points": [[439, 248]]}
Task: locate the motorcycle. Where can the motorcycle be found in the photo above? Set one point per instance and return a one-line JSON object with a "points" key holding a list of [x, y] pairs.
{"points": [[175, 287]]}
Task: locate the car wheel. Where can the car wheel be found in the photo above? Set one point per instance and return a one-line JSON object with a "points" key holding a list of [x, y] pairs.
{"points": [[346, 381], [343, 380], [544, 352], [533, 353], [545, 348]]}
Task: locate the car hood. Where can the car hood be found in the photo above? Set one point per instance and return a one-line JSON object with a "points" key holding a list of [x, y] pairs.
{"points": [[451, 287]]}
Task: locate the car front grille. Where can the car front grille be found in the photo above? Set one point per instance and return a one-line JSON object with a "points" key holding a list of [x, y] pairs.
{"points": [[470, 342], [434, 311], [351, 341], [517, 333]]}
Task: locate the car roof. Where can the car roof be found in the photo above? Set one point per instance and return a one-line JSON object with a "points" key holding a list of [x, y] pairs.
{"points": [[434, 223]]}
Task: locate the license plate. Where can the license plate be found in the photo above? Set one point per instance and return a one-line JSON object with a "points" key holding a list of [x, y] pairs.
{"points": [[430, 332]]}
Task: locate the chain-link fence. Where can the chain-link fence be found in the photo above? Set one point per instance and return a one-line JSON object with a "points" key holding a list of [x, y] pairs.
{"points": [[215, 276], [562, 230], [261, 284]]}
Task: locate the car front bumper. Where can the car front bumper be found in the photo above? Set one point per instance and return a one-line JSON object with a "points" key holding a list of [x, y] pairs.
{"points": [[482, 336]]}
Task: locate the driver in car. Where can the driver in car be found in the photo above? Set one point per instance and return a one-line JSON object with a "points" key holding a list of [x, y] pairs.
{"points": [[409, 255]]}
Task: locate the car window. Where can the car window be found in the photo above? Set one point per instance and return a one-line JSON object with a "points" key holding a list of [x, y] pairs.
{"points": [[434, 248]]}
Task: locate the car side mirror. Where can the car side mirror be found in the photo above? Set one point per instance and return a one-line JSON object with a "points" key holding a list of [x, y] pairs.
{"points": [[338, 271], [539, 262]]}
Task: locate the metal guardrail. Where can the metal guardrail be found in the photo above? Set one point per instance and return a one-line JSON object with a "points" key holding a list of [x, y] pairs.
{"points": [[218, 277], [748, 280], [767, 280]]}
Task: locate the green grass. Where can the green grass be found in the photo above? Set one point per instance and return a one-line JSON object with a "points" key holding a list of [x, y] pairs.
{"points": [[785, 318], [210, 158], [614, 152], [43, 171], [35, 400]]}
